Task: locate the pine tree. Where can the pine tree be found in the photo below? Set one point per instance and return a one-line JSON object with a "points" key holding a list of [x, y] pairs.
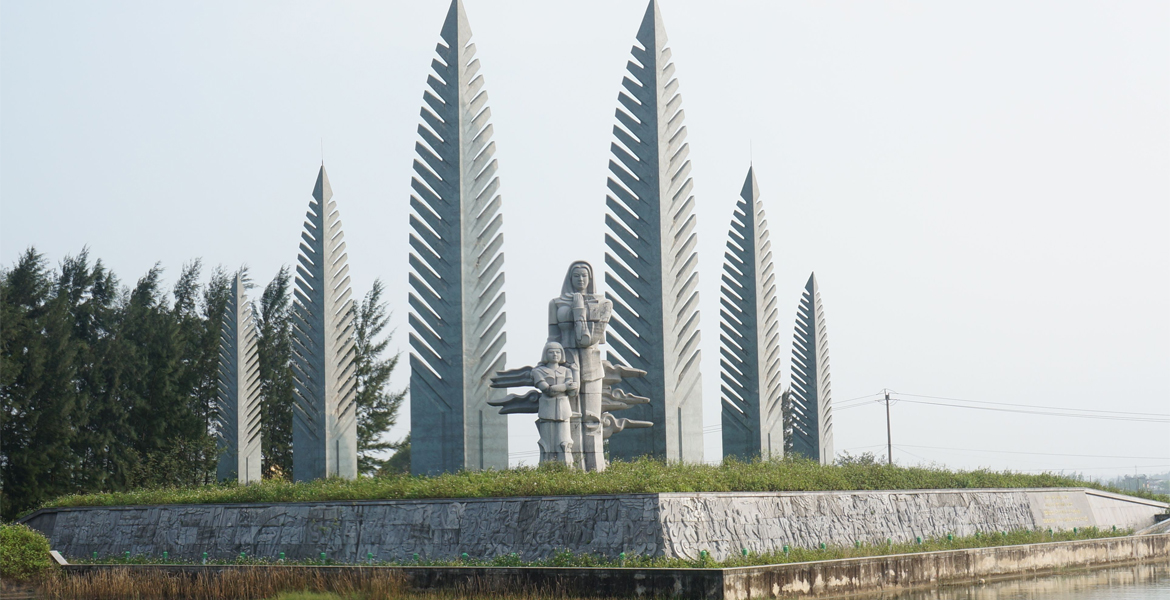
{"points": [[274, 349], [196, 313], [38, 397], [166, 429], [399, 462], [377, 408], [786, 409], [105, 461]]}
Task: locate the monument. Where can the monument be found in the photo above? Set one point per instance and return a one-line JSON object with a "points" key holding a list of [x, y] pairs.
{"points": [[457, 277], [810, 413], [574, 387], [237, 413], [651, 259], [753, 426], [324, 412]]}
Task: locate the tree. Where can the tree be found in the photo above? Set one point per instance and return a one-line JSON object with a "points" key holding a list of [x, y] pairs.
{"points": [[274, 352], [788, 416], [101, 423], [377, 408], [399, 462], [172, 441], [38, 396]]}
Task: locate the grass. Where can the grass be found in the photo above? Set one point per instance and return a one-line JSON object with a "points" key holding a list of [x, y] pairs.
{"points": [[568, 559], [256, 584], [640, 476]]}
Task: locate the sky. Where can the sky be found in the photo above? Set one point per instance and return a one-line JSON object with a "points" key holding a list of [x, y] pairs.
{"points": [[982, 189]]}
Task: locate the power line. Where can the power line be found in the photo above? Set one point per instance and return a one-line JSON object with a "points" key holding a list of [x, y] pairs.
{"points": [[1047, 413], [1092, 468], [1085, 410], [1034, 453]]}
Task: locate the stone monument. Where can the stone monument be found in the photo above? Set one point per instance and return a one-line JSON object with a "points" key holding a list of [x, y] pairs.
{"points": [[237, 404], [651, 260], [575, 388], [753, 426], [457, 277], [810, 413], [324, 413]]}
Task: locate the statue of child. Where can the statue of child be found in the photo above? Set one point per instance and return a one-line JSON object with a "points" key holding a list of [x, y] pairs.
{"points": [[555, 382]]}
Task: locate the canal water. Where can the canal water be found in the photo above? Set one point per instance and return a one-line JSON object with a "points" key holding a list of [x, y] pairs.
{"points": [[1139, 582]]}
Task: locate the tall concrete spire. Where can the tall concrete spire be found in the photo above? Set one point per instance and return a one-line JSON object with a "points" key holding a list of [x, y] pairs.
{"points": [[457, 278], [324, 414], [812, 404], [238, 400], [651, 259], [750, 336]]}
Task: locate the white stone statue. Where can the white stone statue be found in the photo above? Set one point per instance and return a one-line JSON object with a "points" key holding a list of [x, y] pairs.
{"points": [[556, 383], [572, 382], [577, 319]]}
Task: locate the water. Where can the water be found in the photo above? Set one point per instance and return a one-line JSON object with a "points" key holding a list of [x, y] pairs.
{"points": [[1139, 582]]}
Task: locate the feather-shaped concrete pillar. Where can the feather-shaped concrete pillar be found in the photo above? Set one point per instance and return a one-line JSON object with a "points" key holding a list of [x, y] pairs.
{"points": [[238, 400], [811, 405], [456, 280], [750, 336], [324, 413], [651, 259]]}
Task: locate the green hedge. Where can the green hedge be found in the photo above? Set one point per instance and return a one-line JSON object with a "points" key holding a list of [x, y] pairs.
{"points": [[24, 553], [640, 476]]}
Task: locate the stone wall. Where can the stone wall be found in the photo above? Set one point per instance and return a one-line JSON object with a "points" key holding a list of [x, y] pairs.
{"points": [[637, 524]]}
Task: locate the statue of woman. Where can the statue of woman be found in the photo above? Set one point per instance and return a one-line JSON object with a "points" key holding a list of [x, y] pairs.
{"points": [[577, 319], [555, 382]]}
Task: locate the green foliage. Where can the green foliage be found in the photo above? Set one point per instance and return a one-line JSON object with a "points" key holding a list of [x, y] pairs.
{"points": [[640, 476], [38, 395], [863, 459], [377, 409], [274, 351], [788, 423], [24, 553], [399, 462], [108, 389]]}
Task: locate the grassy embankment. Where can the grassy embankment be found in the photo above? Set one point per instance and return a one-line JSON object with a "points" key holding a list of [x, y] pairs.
{"points": [[640, 476]]}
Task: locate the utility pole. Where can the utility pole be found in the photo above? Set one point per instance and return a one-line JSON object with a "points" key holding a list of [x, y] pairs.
{"points": [[889, 441]]}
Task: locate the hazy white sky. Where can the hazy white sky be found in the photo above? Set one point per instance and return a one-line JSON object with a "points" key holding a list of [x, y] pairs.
{"points": [[982, 188]]}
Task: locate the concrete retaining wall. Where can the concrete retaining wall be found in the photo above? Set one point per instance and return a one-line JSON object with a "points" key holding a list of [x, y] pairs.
{"points": [[885, 574], [674, 525], [890, 573]]}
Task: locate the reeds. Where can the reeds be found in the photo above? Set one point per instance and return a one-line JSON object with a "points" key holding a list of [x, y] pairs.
{"points": [[234, 584], [261, 583]]}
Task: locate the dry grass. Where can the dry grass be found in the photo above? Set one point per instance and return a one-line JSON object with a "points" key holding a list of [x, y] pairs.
{"points": [[233, 584], [258, 584]]}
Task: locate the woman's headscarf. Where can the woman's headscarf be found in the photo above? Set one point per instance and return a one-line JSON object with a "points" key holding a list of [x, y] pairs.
{"points": [[567, 290]]}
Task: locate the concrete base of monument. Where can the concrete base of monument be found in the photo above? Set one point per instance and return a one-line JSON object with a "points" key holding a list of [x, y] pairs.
{"points": [[884, 574], [670, 525]]}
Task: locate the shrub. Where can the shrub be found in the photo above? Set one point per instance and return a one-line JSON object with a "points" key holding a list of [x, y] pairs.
{"points": [[24, 553]]}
